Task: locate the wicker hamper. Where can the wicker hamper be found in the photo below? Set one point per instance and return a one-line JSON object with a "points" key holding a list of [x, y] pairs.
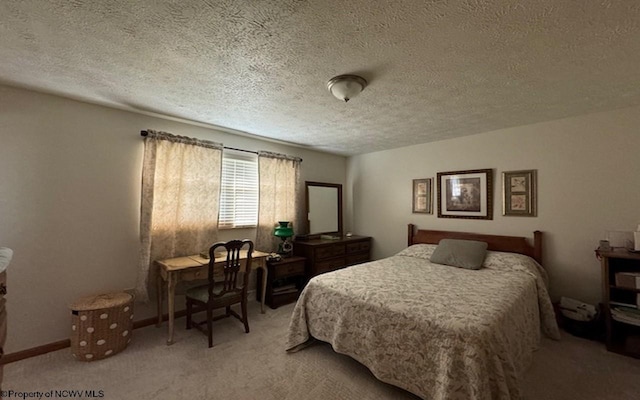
{"points": [[101, 325]]}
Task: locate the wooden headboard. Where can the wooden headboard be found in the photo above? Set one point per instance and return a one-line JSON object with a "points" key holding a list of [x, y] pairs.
{"points": [[510, 244]]}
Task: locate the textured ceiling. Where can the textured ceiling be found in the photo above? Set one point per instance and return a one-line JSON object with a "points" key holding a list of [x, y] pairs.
{"points": [[437, 69]]}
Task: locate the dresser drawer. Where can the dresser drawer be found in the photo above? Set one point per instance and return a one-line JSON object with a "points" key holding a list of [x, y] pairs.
{"points": [[329, 265], [357, 258], [335, 250], [358, 247], [287, 269]]}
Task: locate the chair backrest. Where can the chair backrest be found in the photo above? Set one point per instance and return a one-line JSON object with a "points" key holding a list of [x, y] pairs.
{"points": [[233, 265]]}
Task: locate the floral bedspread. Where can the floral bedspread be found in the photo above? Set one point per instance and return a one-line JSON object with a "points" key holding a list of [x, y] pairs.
{"points": [[437, 331]]}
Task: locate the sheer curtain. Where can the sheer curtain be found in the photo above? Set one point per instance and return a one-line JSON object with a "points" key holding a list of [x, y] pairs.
{"points": [[180, 195], [279, 177]]}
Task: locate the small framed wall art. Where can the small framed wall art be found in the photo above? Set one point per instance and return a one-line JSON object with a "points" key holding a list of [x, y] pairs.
{"points": [[422, 196], [519, 193], [465, 194]]}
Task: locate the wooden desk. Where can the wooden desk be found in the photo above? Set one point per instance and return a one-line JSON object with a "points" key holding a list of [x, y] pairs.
{"points": [[190, 268]]}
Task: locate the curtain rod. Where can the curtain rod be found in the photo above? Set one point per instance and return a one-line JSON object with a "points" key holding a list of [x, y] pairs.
{"points": [[145, 133]]}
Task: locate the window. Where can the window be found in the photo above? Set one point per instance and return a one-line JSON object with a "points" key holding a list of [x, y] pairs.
{"points": [[239, 191]]}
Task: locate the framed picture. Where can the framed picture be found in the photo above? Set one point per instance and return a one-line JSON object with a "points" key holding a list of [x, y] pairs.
{"points": [[519, 193], [465, 194], [422, 196]]}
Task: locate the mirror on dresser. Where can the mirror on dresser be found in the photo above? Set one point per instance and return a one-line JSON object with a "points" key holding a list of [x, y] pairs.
{"points": [[324, 208], [323, 247]]}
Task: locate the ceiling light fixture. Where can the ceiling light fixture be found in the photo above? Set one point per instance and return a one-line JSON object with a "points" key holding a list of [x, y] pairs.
{"points": [[346, 87]]}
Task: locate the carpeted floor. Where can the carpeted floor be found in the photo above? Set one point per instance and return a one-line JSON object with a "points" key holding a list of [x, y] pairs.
{"points": [[255, 366]]}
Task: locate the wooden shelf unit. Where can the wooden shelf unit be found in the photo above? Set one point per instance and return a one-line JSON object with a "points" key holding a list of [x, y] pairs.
{"points": [[621, 337]]}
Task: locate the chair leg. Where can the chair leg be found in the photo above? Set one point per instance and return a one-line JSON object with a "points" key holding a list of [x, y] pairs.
{"points": [[189, 310], [210, 325], [228, 310], [243, 305]]}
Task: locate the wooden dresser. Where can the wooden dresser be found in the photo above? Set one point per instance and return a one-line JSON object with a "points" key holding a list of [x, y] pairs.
{"points": [[324, 255]]}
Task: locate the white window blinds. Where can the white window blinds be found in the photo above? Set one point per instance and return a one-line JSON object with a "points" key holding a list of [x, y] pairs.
{"points": [[239, 191]]}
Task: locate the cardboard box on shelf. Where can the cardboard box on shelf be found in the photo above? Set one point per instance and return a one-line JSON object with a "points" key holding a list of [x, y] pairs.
{"points": [[628, 279]]}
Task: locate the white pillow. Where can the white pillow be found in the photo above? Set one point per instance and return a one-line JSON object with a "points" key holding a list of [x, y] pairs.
{"points": [[421, 250], [5, 258]]}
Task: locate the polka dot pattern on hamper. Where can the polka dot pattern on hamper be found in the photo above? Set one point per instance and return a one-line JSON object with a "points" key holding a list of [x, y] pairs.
{"points": [[101, 325]]}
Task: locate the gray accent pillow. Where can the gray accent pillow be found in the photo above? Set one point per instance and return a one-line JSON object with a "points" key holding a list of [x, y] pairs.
{"points": [[467, 254]]}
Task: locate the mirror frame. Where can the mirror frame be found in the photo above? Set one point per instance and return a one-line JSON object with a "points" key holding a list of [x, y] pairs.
{"points": [[323, 184]]}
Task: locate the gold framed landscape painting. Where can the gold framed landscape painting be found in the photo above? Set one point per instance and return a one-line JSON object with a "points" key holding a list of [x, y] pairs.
{"points": [[422, 195], [465, 194], [519, 193]]}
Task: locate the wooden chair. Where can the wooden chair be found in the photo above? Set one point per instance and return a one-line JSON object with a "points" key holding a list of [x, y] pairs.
{"points": [[228, 291]]}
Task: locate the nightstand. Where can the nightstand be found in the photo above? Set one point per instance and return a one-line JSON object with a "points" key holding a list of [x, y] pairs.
{"points": [[284, 281]]}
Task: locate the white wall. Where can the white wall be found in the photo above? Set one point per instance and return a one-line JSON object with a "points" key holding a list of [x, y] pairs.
{"points": [[588, 182], [70, 199]]}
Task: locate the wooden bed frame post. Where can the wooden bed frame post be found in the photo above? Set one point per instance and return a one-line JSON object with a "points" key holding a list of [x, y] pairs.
{"points": [[410, 235], [537, 246]]}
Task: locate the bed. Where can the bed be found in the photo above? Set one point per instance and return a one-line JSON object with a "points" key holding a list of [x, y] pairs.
{"points": [[438, 331]]}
